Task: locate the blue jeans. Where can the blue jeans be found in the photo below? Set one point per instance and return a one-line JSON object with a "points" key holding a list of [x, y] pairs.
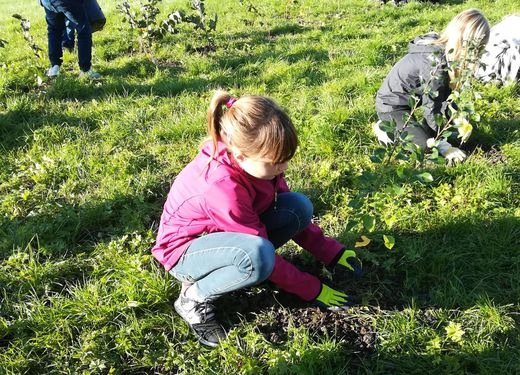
{"points": [[56, 12], [222, 262], [69, 35]]}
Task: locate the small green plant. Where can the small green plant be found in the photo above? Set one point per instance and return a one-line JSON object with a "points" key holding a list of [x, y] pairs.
{"points": [[150, 29], [256, 14], [202, 23], [37, 65], [145, 22], [25, 26]]}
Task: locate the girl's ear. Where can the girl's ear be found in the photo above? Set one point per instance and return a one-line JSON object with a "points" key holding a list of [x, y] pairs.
{"points": [[239, 156]]}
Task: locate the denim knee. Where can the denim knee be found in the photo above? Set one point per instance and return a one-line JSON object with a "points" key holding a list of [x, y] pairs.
{"points": [[262, 260], [304, 208]]}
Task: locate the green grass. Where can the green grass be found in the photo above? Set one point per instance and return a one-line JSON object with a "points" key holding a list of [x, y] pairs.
{"points": [[85, 168]]}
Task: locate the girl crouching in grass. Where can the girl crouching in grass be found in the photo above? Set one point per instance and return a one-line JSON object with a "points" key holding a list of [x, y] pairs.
{"points": [[431, 65], [230, 208]]}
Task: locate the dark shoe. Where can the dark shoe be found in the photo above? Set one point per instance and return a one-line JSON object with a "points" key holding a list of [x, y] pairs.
{"points": [[202, 320]]}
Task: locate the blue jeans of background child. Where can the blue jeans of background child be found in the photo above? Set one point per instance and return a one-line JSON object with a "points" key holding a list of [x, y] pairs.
{"points": [[222, 262], [56, 12]]}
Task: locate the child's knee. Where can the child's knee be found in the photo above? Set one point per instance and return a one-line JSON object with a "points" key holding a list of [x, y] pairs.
{"points": [[306, 208], [262, 259]]}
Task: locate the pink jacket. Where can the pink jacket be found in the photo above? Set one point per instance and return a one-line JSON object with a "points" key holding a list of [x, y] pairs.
{"points": [[219, 197]]}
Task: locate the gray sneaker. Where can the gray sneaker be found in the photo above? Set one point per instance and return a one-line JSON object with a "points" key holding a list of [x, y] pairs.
{"points": [[91, 74], [202, 320], [53, 71]]}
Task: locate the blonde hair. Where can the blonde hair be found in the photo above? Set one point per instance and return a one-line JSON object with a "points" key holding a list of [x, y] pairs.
{"points": [[255, 125], [468, 29]]}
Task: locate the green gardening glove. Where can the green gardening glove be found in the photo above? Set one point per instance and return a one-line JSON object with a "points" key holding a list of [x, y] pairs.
{"points": [[332, 299], [347, 266]]}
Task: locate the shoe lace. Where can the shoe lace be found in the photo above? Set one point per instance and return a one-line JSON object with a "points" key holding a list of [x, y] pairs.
{"points": [[206, 311]]}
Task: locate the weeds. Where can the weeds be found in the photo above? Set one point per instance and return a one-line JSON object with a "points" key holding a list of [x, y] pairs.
{"points": [[150, 30], [84, 171]]}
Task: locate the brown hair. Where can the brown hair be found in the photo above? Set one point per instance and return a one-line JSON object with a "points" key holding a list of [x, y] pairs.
{"points": [[255, 125]]}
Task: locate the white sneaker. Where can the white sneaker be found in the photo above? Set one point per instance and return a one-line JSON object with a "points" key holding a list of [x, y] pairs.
{"points": [[91, 74], [53, 71]]}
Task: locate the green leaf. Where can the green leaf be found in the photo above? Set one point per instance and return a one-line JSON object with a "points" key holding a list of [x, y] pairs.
{"points": [[378, 155], [355, 203], [369, 222], [424, 177], [434, 154], [394, 190], [389, 241], [390, 221], [401, 171], [387, 126], [402, 156]]}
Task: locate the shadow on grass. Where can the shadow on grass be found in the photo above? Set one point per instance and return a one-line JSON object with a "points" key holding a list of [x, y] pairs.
{"points": [[453, 266], [504, 360], [237, 72], [17, 125], [492, 135], [315, 360]]}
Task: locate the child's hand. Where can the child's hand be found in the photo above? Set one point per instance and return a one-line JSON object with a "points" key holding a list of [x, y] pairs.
{"points": [[347, 267], [332, 299], [349, 262], [452, 154], [381, 135]]}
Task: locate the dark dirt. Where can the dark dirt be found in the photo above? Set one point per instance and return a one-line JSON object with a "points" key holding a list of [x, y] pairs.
{"points": [[495, 156], [352, 330], [492, 153], [274, 313]]}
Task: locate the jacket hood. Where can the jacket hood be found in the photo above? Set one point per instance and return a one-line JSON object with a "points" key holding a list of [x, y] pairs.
{"points": [[423, 44]]}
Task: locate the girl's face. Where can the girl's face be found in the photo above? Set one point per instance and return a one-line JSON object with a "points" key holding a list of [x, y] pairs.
{"points": [[261, 167]]}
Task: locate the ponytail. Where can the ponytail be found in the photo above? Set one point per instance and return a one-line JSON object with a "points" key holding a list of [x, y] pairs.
{"points": [[255, 125], [215, 113]]}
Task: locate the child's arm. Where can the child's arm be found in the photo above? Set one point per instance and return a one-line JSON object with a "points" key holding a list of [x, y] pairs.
{"points": [[313, 239], [306, 286]]}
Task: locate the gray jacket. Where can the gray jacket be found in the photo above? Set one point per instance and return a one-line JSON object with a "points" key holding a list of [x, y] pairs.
{"points": [[423, 66]]}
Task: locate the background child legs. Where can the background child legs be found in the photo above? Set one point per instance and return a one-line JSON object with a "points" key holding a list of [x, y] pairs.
{"points": [[220, 263]]}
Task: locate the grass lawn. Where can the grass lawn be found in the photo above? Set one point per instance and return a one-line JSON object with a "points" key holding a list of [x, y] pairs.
{"points": [[85, 168]]}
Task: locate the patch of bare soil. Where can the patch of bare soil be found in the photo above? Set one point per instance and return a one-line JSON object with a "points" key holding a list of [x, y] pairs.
{"points": [[351, 329], [492, 153], [495, 156], [274, 313]]}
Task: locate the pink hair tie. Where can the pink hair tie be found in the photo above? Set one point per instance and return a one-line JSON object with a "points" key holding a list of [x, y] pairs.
{"points": [[231, 101]]}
